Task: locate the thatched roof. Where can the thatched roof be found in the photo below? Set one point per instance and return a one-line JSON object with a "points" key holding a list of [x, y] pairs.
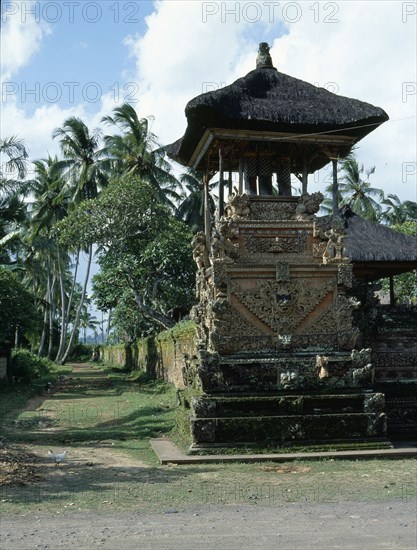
{"points": [[268, 100], [376, 250], [372, 242]]}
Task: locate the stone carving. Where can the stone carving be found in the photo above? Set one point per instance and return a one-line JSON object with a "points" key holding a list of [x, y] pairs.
{"points": [[281, 305], [263, 210], [345, 275], [377, 424], [200, 250], [375, 403], [189, 370], [364, 370], [237, 207], [322, 366], [361, 358], [264, 58], [308, 205], [219, 273], [335, 248], [222, 245], [289, 245], [288, 379], [282, 271]]}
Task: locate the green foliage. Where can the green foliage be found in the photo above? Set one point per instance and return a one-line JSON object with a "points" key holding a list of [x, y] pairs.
{"points": [[81, 352], [405, 285], [27, 366], [144, 250], [16, 307]]}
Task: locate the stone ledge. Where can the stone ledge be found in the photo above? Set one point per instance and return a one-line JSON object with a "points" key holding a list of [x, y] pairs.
{"points": [[168, 453]]}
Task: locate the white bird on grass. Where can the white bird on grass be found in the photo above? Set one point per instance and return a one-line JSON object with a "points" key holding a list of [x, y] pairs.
{"points": [[58, 457]]}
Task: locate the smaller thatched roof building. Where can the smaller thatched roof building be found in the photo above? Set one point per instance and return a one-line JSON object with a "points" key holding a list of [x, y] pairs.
{"points": [[376, 250]]}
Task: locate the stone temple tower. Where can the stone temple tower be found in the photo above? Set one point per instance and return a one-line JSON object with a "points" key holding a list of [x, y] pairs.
{"points": [[282, 356]]}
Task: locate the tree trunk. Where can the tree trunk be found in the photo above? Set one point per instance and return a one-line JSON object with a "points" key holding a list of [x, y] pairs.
{"points": [[45, 323], [65, 312], [108, 328], [163, 320], [46, 312], [79, 308], [51, 318]]}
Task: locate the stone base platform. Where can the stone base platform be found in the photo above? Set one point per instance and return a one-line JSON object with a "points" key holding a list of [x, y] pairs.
{"points": [[284, 419]]}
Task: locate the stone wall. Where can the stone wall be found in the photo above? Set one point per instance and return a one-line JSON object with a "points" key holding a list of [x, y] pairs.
{"points": [[161, 357]]}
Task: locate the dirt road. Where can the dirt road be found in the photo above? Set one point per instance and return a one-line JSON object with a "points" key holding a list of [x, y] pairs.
{"points": [[370, 526]]}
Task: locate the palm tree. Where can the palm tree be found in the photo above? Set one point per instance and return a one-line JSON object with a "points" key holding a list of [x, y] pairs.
{"points": [[88, 321], [191, 209], [14, 148], [398, 212], [84, 173], [13, 155], [82, 167], [136, 152], [357, 192], [50, 206]]}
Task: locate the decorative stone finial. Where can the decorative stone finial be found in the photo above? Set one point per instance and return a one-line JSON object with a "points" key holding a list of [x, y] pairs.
{"points": [[264, 58]]}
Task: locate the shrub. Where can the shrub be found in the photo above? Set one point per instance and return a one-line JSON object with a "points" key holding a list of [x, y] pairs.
{"points": [[27, 366], [81, 352]]}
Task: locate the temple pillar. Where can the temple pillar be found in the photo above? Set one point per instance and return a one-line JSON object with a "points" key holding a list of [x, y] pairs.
{"points": [[221, 184], [335, 189], [284, 177]]}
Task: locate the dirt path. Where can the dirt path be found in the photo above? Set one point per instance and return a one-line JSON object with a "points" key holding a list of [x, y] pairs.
{"points": [[103, 497], [370, 526]]}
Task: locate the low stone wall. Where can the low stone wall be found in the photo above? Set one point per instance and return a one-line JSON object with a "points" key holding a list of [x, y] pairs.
{"points": [[172, 347], [113, 355], [161, 357]]}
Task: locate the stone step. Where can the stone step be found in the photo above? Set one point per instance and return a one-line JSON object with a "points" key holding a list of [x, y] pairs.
{"points": [[280, 405], [288, 428]]}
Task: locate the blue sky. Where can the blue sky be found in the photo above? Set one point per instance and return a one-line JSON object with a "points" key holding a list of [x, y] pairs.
{"points": [[80, 46]]}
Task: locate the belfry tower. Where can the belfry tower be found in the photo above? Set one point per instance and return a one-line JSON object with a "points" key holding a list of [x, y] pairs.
{"points": [[281, 354]]}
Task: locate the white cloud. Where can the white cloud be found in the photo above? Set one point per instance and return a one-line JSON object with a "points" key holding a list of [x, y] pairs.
{"points": [[367, 54], [21, 37]]}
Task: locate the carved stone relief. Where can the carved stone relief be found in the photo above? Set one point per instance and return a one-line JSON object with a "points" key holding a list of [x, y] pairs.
{"points": [[282, 305]]}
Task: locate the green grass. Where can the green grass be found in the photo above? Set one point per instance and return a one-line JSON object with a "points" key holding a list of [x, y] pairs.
{"points": [[105, 408], [118, 407]]}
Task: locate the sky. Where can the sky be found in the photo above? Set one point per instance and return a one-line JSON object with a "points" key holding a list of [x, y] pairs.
{"points": [[80, 58]]}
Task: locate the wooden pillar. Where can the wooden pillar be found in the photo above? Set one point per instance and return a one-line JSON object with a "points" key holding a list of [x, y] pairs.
{"points": [[335, 189], [220, 208], [241, 176], [230, 183], [391, 291], [207, 217], [304, 177]]}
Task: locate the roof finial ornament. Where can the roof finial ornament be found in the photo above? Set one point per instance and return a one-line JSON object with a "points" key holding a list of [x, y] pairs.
{"points": [[264, 58]]}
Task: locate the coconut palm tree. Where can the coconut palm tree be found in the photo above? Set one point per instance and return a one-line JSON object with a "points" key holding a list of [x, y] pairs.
{"points": [[49, 206], [136, 152], [15, 151], [191, 208], [357, 192], [398, 212], [83, 164], [84, 172], [13, 155]]}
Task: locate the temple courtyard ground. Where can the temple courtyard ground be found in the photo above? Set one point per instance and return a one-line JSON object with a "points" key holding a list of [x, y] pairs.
{"points": [[111, 492]]}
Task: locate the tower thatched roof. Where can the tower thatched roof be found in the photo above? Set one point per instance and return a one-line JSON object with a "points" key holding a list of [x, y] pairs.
{"points": [[270, 101]]}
